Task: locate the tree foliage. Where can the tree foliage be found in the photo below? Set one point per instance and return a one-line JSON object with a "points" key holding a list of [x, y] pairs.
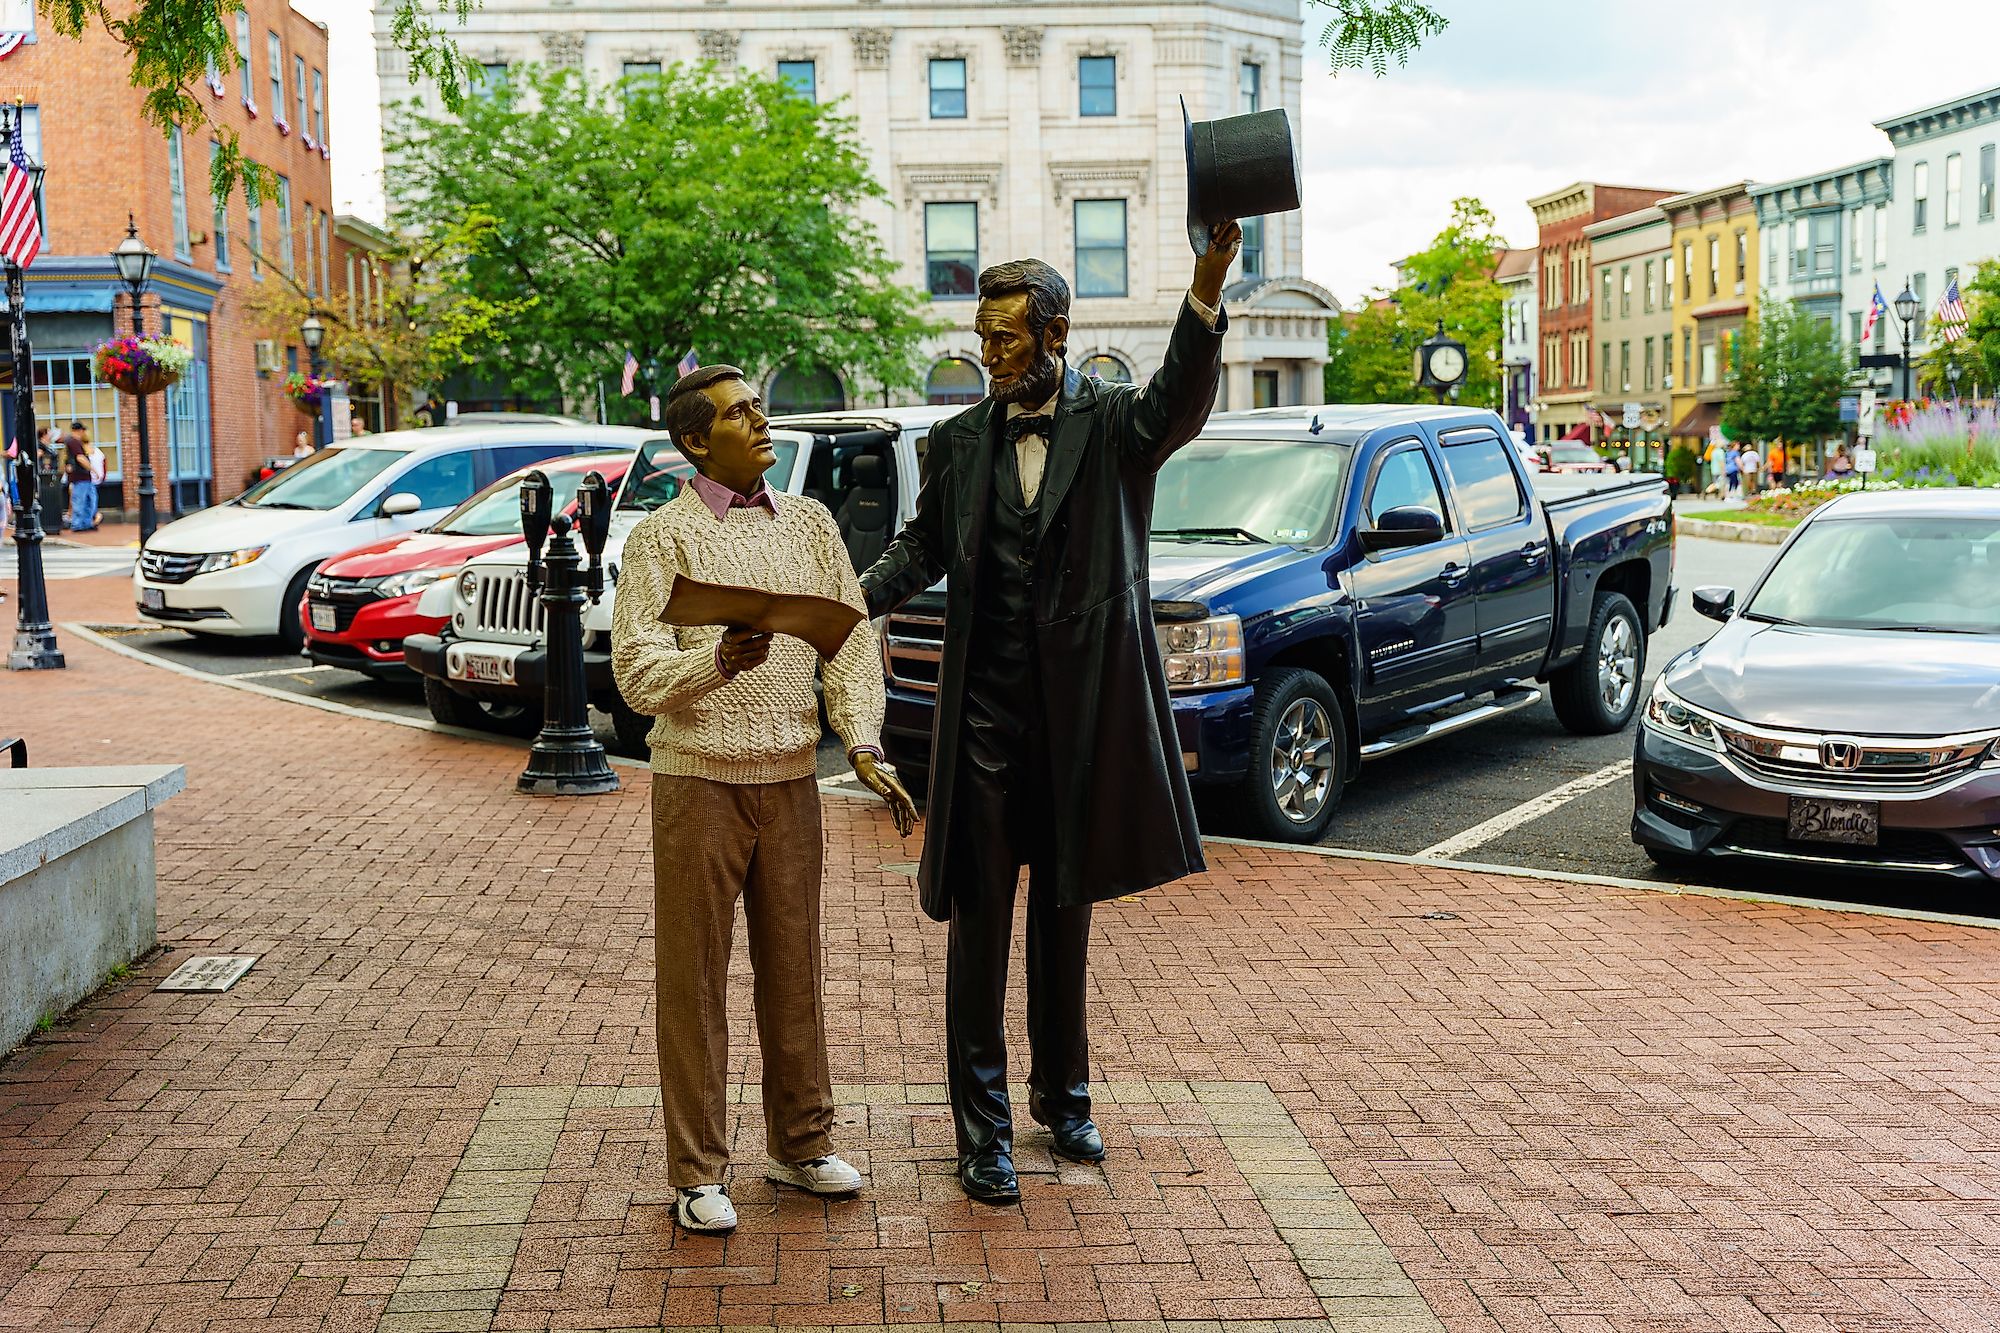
{"points": [[1787, 380], [173, 44], [1368, 34], [410, 327], [689, 210], [1977, 352], [1371, 353]]}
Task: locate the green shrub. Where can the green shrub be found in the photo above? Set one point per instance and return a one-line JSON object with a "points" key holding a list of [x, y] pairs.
{"points": [[1683, 465]]}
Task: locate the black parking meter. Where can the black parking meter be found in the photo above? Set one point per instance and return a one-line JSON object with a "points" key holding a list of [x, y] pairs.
{"points": [[537, 507], [593, 523]]}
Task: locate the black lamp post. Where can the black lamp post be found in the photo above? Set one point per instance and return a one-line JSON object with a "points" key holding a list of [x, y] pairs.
{"points": [[313, 333], [1906, 311], [567, 759], [134, 262], [34, 637], [1952, 372]]}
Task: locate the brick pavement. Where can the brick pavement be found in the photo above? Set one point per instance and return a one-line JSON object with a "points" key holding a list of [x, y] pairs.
{"points": [[1565, 1107]]}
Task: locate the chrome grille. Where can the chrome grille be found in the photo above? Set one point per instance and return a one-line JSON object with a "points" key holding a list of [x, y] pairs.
{"points": [[912, 649], [503, 608], [169, 566], [1872, 765]]}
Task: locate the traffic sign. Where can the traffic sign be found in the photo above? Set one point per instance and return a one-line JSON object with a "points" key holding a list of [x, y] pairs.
{"points": [[1631, 418]]}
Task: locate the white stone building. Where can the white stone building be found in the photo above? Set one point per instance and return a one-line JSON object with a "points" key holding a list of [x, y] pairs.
{"points": [[1030, 129]]}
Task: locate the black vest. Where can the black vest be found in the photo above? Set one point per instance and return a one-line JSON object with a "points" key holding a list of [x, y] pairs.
{"points": [[1002, 648]]}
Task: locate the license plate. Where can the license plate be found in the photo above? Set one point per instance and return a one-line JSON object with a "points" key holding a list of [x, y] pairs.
{"points": [[485, 667], [152, 599], [323, 618], [1815, 819]]}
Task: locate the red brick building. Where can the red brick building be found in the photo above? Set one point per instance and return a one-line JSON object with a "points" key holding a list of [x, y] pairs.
{"points": [[104, 161], [1565, 314]]}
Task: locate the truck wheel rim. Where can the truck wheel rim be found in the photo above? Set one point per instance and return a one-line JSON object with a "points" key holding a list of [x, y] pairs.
{"points": [[1302, 761], [1618, 665]]}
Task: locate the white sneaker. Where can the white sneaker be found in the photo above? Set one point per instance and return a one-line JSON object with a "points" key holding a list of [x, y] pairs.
{"points": [[822, 1175], [705, 1208]]}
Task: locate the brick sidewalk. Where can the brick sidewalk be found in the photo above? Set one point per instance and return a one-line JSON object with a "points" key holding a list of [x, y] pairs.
{"points": [[431, 1106]]}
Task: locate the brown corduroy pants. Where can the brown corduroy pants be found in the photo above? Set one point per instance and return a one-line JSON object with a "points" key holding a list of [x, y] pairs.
{"points": [[714, 841]]}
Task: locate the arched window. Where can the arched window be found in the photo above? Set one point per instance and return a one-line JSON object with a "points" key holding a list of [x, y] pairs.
{"points": [[1105, 367], [804, 387], [954, 380]]}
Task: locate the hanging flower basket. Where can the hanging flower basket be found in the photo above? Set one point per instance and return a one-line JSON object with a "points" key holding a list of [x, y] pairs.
{"points": [[140, 365], [309, 392]]}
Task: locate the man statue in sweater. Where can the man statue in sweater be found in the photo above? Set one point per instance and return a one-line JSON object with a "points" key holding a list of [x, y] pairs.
{"points": [[1054, 745], [735, 798]]}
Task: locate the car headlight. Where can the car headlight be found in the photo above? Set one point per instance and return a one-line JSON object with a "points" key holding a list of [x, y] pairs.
{"points": [[414, 580], [1203, 654], [1667, 714], [468, 584], [229, 559]]}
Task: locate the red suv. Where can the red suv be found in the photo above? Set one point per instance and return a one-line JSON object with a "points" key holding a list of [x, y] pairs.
{"points": [[361, 604]]}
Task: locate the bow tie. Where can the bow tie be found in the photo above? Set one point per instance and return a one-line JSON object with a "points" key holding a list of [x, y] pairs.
{"points": [[1030, 423]]}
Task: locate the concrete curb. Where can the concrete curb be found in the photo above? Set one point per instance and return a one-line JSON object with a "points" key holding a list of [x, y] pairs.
{"points": [[1731, 532]]}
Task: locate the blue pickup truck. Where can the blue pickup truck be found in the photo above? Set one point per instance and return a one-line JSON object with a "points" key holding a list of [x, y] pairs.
{"points": [[1335, 584]]}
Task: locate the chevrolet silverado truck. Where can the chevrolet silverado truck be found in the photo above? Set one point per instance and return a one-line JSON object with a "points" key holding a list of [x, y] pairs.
{"points": [[1335, 584]]}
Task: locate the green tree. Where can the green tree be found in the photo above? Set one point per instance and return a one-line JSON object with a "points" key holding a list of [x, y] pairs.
{"points": [[1977, 352], [1371, 358], [1368, 34], [1788, 376], [687, 210], [173, 44]]}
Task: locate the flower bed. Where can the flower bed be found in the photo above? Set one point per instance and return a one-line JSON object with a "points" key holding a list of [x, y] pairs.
{"points": [[1942, 445], [141, 365]]}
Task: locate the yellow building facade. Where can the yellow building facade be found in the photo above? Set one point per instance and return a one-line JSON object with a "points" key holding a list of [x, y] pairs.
{"points": [[1712, 266]]}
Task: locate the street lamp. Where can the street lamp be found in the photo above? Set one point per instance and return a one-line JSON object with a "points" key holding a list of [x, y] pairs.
{"points": [[34, 637], [1906, 311], [312, 333], [134, 262], [1952, 372]]}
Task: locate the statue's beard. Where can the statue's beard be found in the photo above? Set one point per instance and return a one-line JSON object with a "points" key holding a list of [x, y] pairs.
{"points": [[1037, 386]]}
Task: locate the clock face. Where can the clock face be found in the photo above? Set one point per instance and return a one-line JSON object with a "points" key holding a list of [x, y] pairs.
{"points": [[1448, 365]]}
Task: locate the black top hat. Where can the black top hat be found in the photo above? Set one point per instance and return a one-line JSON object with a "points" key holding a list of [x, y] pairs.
{"points": [[1238, 167]]}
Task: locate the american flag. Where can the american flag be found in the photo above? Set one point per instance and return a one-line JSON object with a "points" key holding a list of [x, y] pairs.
{"points": [[10, 42], [20, 229], [1951, 313], [631, 375], [688, 364], [1877, 308]]}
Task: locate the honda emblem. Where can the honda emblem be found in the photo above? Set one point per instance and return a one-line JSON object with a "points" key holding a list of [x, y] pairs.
{"points": [[1842, 755]]}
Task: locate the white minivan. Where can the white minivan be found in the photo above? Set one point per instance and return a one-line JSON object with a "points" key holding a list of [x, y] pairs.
{"points": [[240, 568]]}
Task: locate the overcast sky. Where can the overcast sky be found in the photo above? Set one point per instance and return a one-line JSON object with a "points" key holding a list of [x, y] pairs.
{"points": [[1517, 98]]}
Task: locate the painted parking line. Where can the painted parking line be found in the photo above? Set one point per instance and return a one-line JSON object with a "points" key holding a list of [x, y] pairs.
{"points": [[1458, 844], [279, 671]]}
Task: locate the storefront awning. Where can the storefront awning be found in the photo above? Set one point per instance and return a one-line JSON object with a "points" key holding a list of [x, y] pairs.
{"points": [[1697, 423], [1580, 431]]}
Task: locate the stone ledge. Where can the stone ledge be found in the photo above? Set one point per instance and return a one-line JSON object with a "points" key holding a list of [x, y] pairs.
{"points": [[1756, 533], [46, 813]]}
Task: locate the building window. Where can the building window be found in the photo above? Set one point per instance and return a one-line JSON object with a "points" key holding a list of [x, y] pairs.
{"points": [[1263, 388], [1742, 260], [1551, 282], [1100, 247], [66, 390], [319, 107], [1854, 240], [1687, 270], [1954, 187], [1253, 247], [1825, 242], [1652, 289], [1920, 196], [648, 71], [1604, 283], [299, 91], [243, 56], [325, 254], [1647, 348], [954, 381], [951, 249], [1604, 366], [285, 256], [275, 49], [253, 204], [1801, 247], [1106, 367], [1625, 366], [177, 191], [1986, 183], [1666, 360], [221, 220], [1880, 235], [1711, 365], [947, 90], [1714, 266], [803, 75], [488, 79], [1579, 275], [1624, 290], [1854, 327], [1250, 87], [804, 387], [1687, 358], [1917, 325], [1097, 85], [1667, 283]]}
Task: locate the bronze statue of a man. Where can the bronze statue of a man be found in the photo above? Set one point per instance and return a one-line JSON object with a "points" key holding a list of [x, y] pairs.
{"points": [[1055, 744]]}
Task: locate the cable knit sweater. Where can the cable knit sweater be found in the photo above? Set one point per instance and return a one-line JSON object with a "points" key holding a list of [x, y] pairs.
{"points": [[762, 725]]}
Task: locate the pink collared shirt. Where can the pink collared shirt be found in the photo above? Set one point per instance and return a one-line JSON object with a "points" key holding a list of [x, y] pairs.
{"points": [[720, 499]]}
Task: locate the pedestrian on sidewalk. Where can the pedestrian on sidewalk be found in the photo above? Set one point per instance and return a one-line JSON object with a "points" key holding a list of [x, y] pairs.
{"points": [[1777, 471], [1731, 474], [735, 794], [1749, 462], [302, 446], [82, 479]]}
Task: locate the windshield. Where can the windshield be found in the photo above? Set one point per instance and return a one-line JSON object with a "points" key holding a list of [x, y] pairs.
{"points": [[1575, 453], [1250, 490], [496, 511], [324, 480], [1936, 574], [659, 473]]}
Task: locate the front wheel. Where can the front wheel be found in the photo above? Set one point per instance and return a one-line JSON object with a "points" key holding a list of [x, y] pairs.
{"points": [[291, 627], [1298, 753], [1598, 693], [456, 710]]}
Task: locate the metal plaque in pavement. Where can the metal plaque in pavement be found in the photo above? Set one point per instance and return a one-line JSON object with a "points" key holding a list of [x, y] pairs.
{"points": [[210, 972]]}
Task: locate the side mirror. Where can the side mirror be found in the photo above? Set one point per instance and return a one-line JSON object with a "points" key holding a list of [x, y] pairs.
{"points": [[1715, 602], [1405, 525], [400, 504]]}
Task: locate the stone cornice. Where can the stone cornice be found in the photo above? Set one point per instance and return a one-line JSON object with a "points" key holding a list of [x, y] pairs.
{"points": [[1077, 180], [1961, 113]]}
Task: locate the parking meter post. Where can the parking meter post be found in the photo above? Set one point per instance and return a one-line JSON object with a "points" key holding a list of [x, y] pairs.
{"points": [[537, 507], [593, 510], [567, 759]]}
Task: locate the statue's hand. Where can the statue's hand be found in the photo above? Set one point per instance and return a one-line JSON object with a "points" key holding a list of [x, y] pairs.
{"points": [[1212, 269], [883, 783]]}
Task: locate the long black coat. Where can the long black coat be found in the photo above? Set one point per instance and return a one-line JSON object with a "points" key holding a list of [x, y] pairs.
{"points": [[1124, 820]]}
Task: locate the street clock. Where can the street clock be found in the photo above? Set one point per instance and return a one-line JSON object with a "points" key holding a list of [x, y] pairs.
{"points": [[1441, 363]]}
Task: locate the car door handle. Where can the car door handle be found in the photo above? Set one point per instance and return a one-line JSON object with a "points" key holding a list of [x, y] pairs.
{"points": [[1453, 573], [1534, 551]]}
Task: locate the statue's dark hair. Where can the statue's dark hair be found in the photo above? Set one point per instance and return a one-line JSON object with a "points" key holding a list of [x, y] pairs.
{"points": [[689, 411], [1048, 294]]}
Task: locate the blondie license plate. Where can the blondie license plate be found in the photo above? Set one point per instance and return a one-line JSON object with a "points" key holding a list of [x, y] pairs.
{"points": [[1815, 819]]}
